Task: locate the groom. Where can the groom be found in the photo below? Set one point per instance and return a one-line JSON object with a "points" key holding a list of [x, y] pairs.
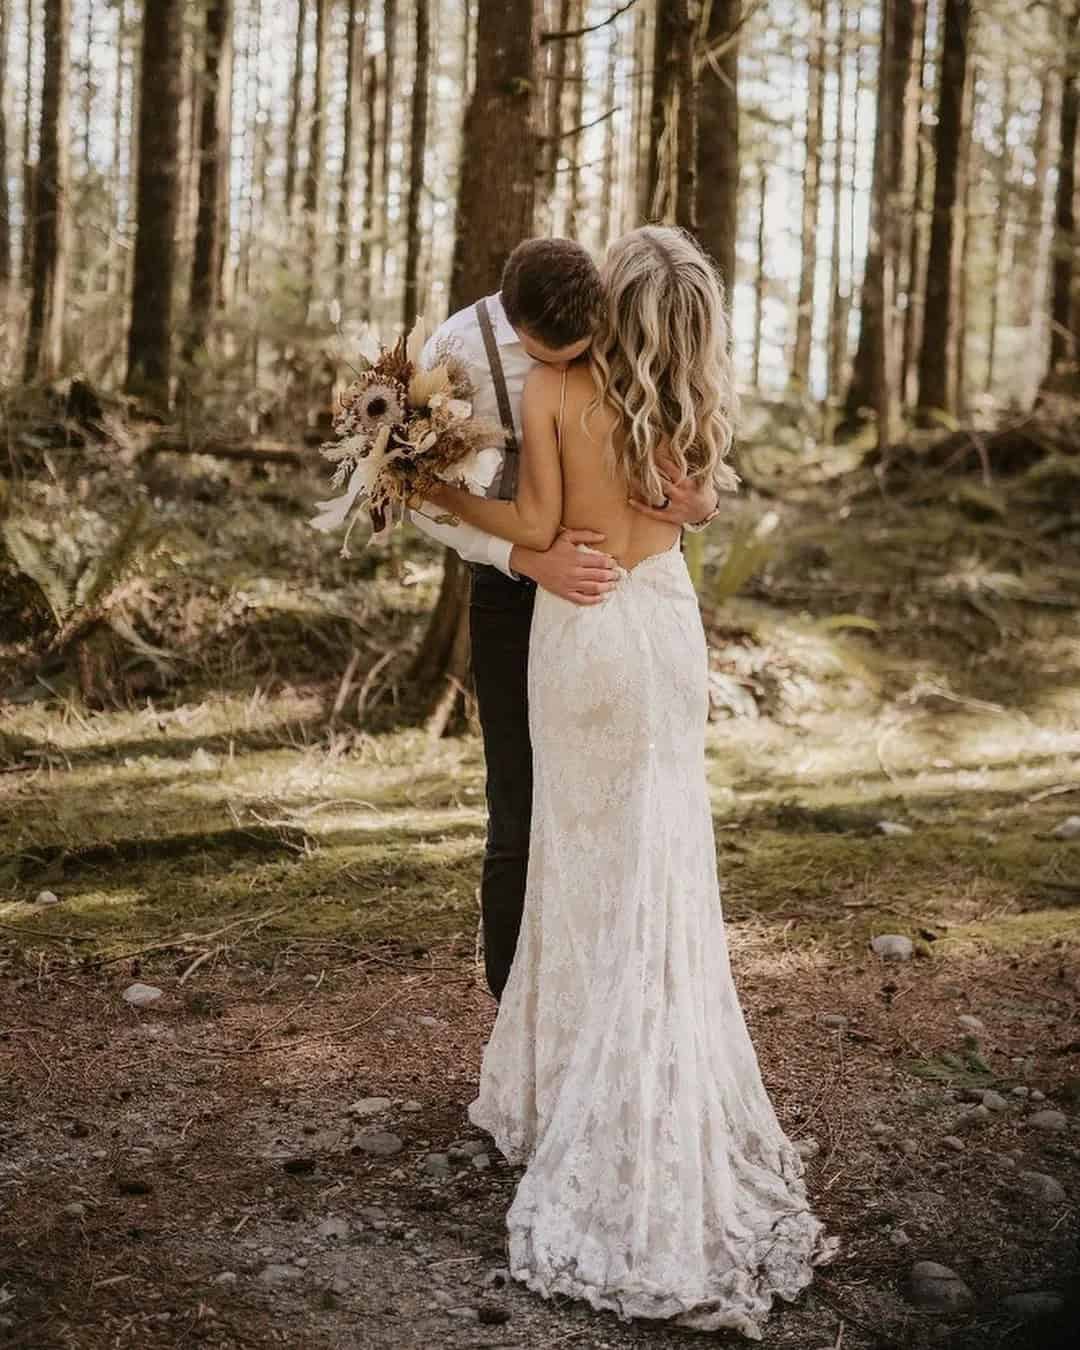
{"points": [[546, 310]]}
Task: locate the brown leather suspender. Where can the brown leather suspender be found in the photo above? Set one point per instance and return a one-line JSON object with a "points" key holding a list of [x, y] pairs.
{"points": [[504, 484]]}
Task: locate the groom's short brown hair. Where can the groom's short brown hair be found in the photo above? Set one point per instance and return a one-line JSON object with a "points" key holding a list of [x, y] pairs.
{"points": [[551, 288]]}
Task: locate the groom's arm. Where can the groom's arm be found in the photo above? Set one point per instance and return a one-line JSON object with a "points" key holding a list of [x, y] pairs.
{"points": [[470, 543]]}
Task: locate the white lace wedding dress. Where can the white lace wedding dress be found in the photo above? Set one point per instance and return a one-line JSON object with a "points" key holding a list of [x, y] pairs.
{"points": [[659, 1182]]}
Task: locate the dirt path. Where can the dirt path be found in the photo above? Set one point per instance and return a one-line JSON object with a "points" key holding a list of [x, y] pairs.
{"points": [[192, 1173]]}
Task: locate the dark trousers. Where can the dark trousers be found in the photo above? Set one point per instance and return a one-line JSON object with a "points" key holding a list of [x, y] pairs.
{"points": [[500, 615]]}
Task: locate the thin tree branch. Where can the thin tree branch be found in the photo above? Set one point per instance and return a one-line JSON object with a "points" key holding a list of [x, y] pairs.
{"points": [[585, 126], [572, 33]]}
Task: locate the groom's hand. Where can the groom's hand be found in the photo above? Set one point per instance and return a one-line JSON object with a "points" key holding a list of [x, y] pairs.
{"points": [[690, 501], [567, 571]]}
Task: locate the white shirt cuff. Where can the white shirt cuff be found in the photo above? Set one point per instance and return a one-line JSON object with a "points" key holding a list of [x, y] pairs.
{"points": [[499, 551]]}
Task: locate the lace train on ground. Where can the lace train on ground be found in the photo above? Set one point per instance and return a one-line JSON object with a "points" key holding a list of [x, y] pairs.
{"points": [[659, 1182]]}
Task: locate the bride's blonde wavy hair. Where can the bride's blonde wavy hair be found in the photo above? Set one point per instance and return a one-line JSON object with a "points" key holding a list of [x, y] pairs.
{"points": [[660, 359]]}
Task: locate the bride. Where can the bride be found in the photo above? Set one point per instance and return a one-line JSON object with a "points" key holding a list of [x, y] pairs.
{"points": [[659, 1182]]}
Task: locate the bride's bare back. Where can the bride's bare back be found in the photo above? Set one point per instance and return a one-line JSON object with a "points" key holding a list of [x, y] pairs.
{"points": [[593, 497]]}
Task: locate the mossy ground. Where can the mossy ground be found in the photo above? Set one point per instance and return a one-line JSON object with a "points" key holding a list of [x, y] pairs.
{"points": [[304, 887]]}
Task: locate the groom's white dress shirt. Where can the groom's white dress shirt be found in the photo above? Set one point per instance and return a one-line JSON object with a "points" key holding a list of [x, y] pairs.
{"points": [[463, 330]]}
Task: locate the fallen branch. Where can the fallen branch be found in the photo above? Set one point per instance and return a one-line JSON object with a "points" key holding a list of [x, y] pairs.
{"points": [[257, 452]]}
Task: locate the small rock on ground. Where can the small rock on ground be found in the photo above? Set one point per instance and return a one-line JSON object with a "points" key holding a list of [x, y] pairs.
{"points": [[381, 1143], [893, 946], [1053, 1122], [936, 1286], [370, 1106], [141, 995], [1043, 1187]]}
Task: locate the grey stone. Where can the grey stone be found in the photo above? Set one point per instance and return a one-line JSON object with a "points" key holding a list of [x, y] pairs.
{"points": [[437, 1165], [1037, 1096], [936, 1286], [953, 1142], [46, 898], [378, 1142], [1053, 1122], [978, 1115], [994, 1101], [496, 1277], [893, 946], [481, 1162], [1034, 1303], [412, 1107], [141, 995], [370, 1106], [971, 1022], [1069, 828], [893, 827], [334, 1228], [76, 1210], [429, 1021], [374, 1215], [226, 1277], [1043, 1187], [807, 1148], [909, 1146], [899, 1238], [837, 1020], [278, 1273]]}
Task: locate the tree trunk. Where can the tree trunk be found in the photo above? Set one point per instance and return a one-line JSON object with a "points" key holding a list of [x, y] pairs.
{"points": [[371, 183], [574, 144], [640, 131], [496, 199], [553, 119], [892, 82], [355, 35], [28, 176], [389, 99], [611, 146], [685, 149], [316, 144], [1034, 313], [1062, 318], [965, 225], [999, 271], [45, 323], [157, 193], [917, 227], [838, 302], [875, 356], [417, 146], [296, 101], [658, 190], [718, 140], [207, 258], [815, 117], [759, 275], [911, 38], [938, 374], [5, 209]]}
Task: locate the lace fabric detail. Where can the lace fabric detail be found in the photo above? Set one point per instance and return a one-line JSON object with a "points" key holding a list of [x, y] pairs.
{"points": [[659, 1182]]}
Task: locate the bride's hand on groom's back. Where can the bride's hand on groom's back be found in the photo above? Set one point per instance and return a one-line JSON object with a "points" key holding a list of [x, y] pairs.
{"points": [[582, 577]]}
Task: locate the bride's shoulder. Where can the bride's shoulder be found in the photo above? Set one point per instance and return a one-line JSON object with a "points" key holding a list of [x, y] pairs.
{"points": [[543, 385]]}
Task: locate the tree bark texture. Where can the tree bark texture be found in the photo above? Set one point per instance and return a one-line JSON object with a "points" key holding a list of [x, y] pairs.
{"points": [[44, 335]]}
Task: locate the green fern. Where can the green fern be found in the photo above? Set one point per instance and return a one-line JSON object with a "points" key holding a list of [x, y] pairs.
{"points": [[29, 558]]}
